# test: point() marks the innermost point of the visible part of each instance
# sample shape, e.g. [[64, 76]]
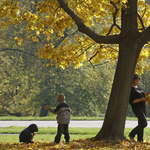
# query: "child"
[[63, 118], [27, 134]]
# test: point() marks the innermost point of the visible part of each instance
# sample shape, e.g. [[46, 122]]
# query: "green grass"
[[11, 134], [8, 138], [53, 117], [47, 130]]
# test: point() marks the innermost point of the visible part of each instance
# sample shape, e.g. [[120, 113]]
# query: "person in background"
[[63, 118], [137, 101], [27, 135]]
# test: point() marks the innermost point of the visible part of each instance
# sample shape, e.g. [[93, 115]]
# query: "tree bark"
[[129, 49], [114, 122]]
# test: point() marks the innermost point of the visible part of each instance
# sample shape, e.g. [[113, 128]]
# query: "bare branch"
[[110, 29], [140, 18], [111, 48], [85, 50], [7, 49], [101, 46], [92, 64], [141, 21], [93, 56], [106, 62], [114, 18], [113, 39]]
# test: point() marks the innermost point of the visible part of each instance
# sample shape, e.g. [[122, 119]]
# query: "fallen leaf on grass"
[[80, 144]]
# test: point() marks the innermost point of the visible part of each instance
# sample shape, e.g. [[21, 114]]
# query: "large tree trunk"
[[114, 123], [129, 50]]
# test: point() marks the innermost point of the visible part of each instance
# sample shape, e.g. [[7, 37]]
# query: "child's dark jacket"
[[63, 113], [26, 135]]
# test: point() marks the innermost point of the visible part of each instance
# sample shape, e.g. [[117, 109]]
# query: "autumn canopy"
[[47, 17]]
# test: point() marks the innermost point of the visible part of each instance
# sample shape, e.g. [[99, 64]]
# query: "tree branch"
[[112, 39], [6, 49], [114, 18], [141, 21]]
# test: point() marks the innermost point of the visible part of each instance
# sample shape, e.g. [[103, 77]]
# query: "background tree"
[[39, 85]]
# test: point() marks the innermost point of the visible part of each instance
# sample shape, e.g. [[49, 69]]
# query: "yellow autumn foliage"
[[19, 40], [50, 18], [35, 39]]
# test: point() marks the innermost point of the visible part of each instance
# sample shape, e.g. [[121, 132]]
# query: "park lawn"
[[80, 139], [48, 118], [11, 134], [53, 117], [48, 130], [45, 134]]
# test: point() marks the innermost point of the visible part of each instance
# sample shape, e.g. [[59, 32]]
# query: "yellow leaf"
[[19, 43], [28, 37], [48, 64], [147, 68], [35, 39], [37, 32]]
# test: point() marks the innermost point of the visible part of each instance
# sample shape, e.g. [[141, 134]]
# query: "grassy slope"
[[47, 134], [11, 134]]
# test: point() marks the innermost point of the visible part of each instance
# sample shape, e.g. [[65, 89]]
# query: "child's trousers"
[[62, 128]]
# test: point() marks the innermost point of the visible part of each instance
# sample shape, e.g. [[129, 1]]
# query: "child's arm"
[[32, 137], [49, 108]]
